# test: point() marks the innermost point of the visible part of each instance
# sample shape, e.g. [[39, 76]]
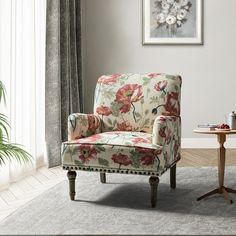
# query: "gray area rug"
[[122, 206]]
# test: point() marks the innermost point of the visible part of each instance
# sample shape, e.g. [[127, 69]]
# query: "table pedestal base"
[[221, 137], [221, 190]]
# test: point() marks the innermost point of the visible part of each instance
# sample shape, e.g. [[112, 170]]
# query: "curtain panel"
[[22, 70], [63, 90]]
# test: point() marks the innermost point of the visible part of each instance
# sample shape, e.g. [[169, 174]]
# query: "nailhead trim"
[[111, 170]]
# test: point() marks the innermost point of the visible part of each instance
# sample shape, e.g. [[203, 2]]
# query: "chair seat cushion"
[[115, 151]]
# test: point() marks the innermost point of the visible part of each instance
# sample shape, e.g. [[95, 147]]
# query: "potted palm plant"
[[8, 150]]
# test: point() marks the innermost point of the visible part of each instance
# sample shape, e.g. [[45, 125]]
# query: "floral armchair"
[[135, 129]]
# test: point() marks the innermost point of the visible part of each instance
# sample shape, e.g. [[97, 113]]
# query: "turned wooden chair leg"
[[71, 176], [153, 181], [173, 176], [103, 177]]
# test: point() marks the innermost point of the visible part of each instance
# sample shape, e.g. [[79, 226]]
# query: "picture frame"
[[172, 22]]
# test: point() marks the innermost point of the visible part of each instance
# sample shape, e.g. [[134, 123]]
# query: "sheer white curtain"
[[22, 70]]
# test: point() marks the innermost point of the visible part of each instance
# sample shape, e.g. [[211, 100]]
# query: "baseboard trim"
[[206, 143]]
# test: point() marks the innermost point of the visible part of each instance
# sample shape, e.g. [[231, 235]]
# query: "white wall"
[[112, 40]]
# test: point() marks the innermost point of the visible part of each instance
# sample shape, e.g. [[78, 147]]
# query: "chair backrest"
[[131, 102]]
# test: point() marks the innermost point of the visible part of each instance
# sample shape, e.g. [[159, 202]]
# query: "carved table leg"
[[103, 177], [153, 181], [173, 176], [221, 159], [71, 176]]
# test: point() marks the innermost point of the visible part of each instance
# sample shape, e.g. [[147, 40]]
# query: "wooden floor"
[[25, 190], [205, 157]]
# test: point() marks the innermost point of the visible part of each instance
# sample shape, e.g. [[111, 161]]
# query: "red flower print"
[[162, 132], [125, 108], [108, 79], [176, 148], [93, 123], [87, 152], [162, 119], [148, 155], [147, 160], [140, 140], [89, 139], [165, 113], [172, 104], [128, 94], [153, 75], [168, 136], [160, 86], [124, 126], [121, 159], [104, 111], [166, 157]]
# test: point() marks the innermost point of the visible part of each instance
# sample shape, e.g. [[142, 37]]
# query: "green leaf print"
[[146, 123], [146, 81], [154, 99], [162, 95], [108, 93], [170, 76], [103, 162], [114, 123], [135, 159], [78, 163], [99, 148], [115, 108], [137, 114], [74, 150], [83, 120], [109, 121]]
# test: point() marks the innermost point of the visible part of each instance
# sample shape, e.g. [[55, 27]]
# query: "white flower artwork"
[[172, 21], [171, 14]]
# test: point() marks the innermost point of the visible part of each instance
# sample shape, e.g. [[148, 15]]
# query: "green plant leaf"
[[9, 151], [4, 125], [2, 92]]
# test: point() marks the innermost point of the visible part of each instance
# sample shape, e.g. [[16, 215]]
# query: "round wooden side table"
[[221, 137]]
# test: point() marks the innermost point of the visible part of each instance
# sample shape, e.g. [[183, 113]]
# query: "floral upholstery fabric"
[[135, 128], [83, 125], [121, 150], [131, 102], [167, 134]]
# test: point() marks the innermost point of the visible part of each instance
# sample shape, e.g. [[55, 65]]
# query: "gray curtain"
[[63, 93]]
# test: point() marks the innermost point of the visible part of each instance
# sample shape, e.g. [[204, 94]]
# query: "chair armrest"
[[83, 125], [167, 133]]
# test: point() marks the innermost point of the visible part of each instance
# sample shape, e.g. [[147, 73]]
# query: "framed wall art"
[[172, 22]]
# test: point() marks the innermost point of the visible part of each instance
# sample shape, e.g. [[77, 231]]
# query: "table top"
[[214, 131]]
